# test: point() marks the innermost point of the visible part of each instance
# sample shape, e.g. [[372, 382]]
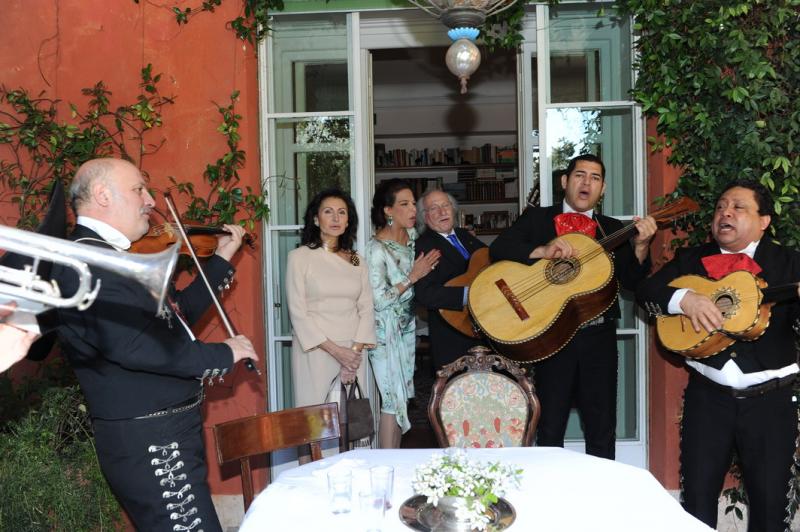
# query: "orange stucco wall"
[[60, 47], [667, 378]]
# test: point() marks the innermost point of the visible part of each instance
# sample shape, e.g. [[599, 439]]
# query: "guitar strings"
[[531, 285]]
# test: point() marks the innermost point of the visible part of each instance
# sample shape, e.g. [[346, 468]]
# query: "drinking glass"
[[382, 481], [340, 486]]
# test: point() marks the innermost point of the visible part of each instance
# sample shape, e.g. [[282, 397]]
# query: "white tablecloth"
[[560, 491]]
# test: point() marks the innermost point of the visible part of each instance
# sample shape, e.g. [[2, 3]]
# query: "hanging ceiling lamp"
[[463, 17]]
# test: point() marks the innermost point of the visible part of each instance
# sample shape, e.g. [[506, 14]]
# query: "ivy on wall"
[[721, 78], [42, 149], [250, 25]]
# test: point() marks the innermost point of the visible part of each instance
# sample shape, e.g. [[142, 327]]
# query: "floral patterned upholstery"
[[483, 409]]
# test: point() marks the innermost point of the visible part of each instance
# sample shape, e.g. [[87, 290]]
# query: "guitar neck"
[[618, 237], [662, 217]]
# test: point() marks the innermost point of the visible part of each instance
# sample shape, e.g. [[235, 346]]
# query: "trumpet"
[[34, 294]]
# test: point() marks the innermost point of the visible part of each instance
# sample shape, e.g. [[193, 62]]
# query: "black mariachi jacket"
[[128, 361]]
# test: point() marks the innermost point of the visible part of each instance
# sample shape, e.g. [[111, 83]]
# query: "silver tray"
[[417, 514]]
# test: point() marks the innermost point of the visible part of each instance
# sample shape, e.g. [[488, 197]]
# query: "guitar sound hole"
[[562, 271], [726, 303]]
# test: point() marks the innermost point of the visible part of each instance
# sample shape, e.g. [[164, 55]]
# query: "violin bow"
[[248, 362]]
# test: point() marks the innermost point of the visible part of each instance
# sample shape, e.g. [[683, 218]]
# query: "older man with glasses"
[[438, 211]]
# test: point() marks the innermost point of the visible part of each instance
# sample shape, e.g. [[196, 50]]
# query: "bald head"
[[113, 191], [90, 173]]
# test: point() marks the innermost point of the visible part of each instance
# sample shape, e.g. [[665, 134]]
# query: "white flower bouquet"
[[477, 485]]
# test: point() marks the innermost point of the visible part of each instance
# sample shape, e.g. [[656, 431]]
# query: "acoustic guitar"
[[460, 319], [746, 306], [531, 312]]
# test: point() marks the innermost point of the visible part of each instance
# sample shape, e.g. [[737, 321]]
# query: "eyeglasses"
[[437, 208]]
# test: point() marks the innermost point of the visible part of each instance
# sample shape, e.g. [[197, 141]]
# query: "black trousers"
[[763, 430], [157, 470], [584, 372]]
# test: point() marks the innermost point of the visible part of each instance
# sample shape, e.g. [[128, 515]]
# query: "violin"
[[203, 239]]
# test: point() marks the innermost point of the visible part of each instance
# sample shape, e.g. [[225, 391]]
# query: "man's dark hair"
[[590, 157], [761, 193], [311, 236], [385, 196]]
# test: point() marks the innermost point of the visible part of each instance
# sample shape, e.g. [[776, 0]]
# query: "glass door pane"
[[590, 56], [309, 62], [605, 132], [311, 154], [310, 148]]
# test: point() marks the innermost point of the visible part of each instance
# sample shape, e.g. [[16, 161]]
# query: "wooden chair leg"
[[247, 483]]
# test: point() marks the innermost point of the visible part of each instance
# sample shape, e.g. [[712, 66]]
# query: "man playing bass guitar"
[[585, 369], [741, 398]]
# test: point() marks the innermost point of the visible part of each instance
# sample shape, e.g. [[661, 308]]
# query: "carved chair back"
[[483, 400]]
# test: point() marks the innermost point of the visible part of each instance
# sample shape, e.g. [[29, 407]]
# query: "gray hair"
[[421, 208], [80, 190]]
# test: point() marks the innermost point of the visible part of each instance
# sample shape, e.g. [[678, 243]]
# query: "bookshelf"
[[483, 179]]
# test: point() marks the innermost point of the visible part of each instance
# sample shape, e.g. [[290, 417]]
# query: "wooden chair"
[[263, 433], [483, 400]]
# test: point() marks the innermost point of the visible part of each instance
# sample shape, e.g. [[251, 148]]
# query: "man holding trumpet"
[[142, 375]]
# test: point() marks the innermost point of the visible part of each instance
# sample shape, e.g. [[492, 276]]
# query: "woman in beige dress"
[[330, 300]]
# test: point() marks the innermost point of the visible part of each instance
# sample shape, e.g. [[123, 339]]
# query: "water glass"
[[382, 481], [372, 506], [340, 486]]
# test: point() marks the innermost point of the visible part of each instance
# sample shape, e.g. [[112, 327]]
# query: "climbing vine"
[[721, 80], [41, 149]]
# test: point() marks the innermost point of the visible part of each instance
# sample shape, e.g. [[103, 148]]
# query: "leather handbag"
[[356, 423]]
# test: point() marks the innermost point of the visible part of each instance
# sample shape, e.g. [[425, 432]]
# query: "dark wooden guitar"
[[530, 312], [460, 319], [746, 306]]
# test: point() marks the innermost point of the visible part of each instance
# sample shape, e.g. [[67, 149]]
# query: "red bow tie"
[[573, 222], [718, 266]]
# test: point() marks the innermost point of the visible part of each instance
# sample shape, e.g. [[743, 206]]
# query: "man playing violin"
[[741, 398], [584, 371], [143, 375]]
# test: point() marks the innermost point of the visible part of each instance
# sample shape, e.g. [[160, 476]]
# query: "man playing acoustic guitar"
[[742, 397], [585, 369]]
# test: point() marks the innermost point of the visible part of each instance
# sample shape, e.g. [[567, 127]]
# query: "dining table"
[[560, 491]]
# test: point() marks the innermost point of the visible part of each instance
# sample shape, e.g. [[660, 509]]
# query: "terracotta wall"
[[60, 47], [667, 377]]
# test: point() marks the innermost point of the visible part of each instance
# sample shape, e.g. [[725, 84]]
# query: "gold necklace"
[[329, 248]]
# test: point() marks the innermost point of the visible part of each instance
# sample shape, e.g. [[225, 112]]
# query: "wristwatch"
[[407, 283]]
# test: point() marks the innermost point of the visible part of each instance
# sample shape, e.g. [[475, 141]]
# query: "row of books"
[[421, 184], [485, 174], [482, 190], [486, 154]]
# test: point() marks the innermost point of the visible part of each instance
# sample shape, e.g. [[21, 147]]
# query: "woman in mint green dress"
[[392, 274]]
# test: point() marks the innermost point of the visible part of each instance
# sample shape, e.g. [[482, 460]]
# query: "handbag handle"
[[351, 394]]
